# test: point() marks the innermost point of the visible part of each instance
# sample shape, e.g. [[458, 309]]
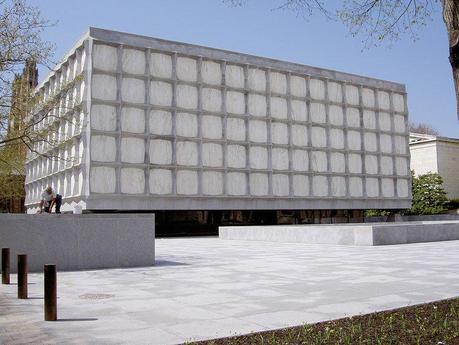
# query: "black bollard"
[[5, 265], [22, 276], [50, 293]]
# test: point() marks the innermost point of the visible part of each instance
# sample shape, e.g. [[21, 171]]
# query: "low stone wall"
[[78, 242], [347, 234]]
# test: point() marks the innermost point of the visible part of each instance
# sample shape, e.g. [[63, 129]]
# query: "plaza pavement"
[[204, 288]]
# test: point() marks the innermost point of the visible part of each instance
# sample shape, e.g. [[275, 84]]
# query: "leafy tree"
[[381, 20], [429, 196]]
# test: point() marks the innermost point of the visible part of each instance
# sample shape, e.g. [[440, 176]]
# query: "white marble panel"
[[258, 157], [402, 188], [298, 86], [235, 129], [355, 163], [278, 82], [160, 122], [235, 102], [104, 57], [104, 87], [383, 100], [212, 155], [353, 117], [336, 138], [318, 137], [160, 181], [335, 115], [300, 185], [299, 135], [160, 151], [387, 165], [335, 93], [368, 98], [318, 161], [133, 61], [401, 166], [278, 107], [384, 121], [132, 180], [338, 186], [280, 159], [399, 103], [353, 140], [132, 120], [355, 186], [257, 105], [320, 185], [234, 76], [187, 96], [371, 164], [212, 183], [211, 72], [400, 144], [103, 117], [258, 184], [236, 156], [372, 187], [161, 93], [257, 131], [279, 133], [161, 65], [132, 150], [133, 90], [317, 112], [187, 153], [211, 100], [103, 148], [281, 185], [385, 142], [236, 183], [369, 119], [337, 162], [300, 160], [399, 124], [352, 95], [187, 182], [299, 110], [186, 69], [317, 89], [370, 142], [387, 186], [103, 180], [211, 127], [186, 125], [257, 79]]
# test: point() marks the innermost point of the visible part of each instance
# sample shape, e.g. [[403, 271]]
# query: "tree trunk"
[[451, 18]]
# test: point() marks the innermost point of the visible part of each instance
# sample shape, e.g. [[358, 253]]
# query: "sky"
[[259, 29]]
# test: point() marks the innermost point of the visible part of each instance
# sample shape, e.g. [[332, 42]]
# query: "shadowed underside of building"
[[206, 136]]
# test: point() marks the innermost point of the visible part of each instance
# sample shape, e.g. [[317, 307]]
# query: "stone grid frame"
[[61, 165], [269, 120], [82, 171]]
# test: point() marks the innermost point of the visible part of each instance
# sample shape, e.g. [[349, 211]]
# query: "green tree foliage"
[[429, 196]]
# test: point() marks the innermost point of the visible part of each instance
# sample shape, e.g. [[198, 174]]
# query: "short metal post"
[[22, 276], [5, 265], [50, 293]]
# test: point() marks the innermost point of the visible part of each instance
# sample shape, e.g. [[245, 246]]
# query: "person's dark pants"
[[57, 202]]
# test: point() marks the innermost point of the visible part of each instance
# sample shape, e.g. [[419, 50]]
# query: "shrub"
[[429, 196]]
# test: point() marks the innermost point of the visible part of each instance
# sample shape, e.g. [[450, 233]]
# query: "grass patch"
[[426, 324]]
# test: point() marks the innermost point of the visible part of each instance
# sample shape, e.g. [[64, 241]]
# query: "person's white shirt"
[[47, 198]]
